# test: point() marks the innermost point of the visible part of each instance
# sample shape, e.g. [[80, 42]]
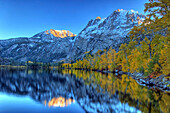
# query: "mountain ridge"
[[56, 45]]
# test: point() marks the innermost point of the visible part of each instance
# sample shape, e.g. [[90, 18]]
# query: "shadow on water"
[[93, 91]]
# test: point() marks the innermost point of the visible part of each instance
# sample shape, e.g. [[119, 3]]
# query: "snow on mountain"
[[53, 35], [119, 22], [44, 46], [107, 32], [60, 33], [56, 45]]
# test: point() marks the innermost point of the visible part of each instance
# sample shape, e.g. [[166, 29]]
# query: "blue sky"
[[25, 18]]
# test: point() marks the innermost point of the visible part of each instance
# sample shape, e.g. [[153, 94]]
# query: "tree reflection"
[[128, 89]]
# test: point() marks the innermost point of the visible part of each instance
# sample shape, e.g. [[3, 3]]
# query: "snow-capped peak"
[[121, 10], [118, 24], [60, 33], [54, 35]]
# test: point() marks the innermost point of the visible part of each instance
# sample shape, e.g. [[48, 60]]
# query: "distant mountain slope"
[[41, 47], [56, 45]]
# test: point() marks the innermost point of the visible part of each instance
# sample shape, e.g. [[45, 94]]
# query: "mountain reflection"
[[59, 102], [93, 91]]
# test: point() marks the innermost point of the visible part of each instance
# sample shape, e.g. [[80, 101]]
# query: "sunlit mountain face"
[[60, 33], [59, 102], [98, 17]]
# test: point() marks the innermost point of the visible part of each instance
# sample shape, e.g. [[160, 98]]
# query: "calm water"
[[49, 91], [24, 104]]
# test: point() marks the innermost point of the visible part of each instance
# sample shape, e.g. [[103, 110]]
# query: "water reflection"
[[129, 91], [41, 86], [59, 102], [61, 88], [24, 104]]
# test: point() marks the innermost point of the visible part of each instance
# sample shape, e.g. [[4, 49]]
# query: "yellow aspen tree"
[[111, 59], [104, 60]]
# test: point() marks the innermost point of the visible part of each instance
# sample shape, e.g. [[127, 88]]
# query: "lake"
[[51, 90]]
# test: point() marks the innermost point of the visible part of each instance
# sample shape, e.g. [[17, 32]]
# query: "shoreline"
[[151, 83], [159, 83], [154, 83]]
